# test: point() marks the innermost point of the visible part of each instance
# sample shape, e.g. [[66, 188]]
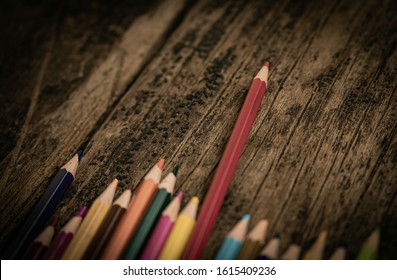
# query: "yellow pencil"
[[179, 236], [90, 224]]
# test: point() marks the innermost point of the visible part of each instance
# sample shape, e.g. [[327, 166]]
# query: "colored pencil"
[[339, 253], [270, 252], [65, 236], [316, 251], [162, 230], [224, 174], [44, 208], [179, 236], [369, 250], [232, 244], [130, 221], [40, 245], [160, 201], [91, 223], [109, 224], [294, 250], [254, 242]]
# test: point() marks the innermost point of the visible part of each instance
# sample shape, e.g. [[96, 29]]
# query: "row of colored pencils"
[[121, 230], [243, 245], [149, 224], [146, 226]]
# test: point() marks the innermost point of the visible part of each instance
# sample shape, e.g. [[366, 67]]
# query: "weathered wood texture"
[[65, 76], [170, 81]]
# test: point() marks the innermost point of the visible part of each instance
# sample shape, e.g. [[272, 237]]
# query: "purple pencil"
[[65, 235], [162, 229]]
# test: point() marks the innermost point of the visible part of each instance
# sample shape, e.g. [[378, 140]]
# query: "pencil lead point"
[[246, 217], [175, 170], [80, 154], [267, 64], [277, 235], [82, 212], [54, 222], [160, 163], [377, 229], [263, 73], [195, 200], [179, 196]]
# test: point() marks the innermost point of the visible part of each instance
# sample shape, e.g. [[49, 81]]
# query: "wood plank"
[[321, 154], [91, 62], [387, 249], [21, 67], [192, 95]]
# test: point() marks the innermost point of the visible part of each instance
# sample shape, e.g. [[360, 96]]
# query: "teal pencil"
[[232, 244]]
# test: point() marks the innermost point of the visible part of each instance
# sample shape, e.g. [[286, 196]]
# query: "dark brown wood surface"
[[134, 82]]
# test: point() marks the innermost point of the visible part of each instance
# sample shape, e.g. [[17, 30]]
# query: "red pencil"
[[41, 243], [224, 174]]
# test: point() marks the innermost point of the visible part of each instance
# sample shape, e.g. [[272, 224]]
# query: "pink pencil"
[[65, 235], [162, 229], [224, 173]]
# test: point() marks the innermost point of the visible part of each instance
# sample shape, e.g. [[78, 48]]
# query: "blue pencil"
[[44, 208], [232, 244]]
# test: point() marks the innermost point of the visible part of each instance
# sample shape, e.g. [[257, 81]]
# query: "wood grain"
[[321, 154], [75, 90]]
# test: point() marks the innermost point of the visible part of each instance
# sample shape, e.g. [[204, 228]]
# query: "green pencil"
[[369, 250], [160, 201]]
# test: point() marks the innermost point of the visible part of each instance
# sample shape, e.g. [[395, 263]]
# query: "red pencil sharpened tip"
[[267, 64]]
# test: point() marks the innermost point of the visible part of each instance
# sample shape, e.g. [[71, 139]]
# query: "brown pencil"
[[108, 226], [254, 242]]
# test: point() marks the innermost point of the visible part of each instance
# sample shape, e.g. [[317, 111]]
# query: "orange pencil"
[[132, 218]]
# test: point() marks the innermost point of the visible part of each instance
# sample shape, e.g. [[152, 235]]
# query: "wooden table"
[[136, 81]]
